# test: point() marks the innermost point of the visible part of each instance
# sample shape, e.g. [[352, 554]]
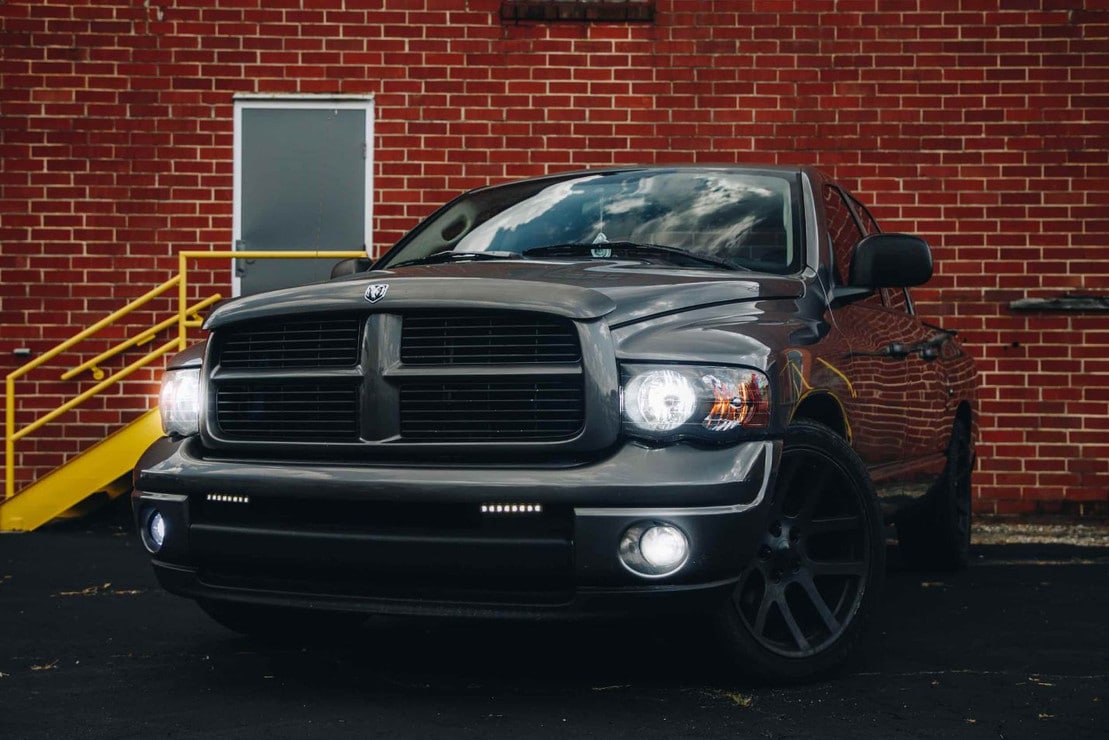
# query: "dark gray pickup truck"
[[643, 390]]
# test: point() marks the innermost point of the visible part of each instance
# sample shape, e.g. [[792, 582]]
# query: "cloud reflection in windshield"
[[738, 216]]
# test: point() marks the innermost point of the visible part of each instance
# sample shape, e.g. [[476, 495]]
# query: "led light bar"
[[223, 498], [511, 509]]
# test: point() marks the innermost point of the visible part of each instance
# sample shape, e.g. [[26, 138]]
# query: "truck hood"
[[622, 291]]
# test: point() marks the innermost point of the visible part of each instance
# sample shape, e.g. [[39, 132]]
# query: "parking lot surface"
[[1016, 646]]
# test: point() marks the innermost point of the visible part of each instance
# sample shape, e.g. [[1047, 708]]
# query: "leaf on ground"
[[90, 591], [104, 589], [741, 699]]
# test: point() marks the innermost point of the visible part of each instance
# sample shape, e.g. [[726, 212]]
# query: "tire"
[[937, 537], [801, 605], [281, 625]]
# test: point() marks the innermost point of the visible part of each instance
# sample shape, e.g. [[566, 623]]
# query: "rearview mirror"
[[350, 266], [891, 261]]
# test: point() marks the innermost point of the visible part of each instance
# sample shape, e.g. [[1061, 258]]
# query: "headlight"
[[179, 402], [667, 402], [660, 400]]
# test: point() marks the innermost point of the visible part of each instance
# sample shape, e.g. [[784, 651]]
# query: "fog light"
[[154, 531], [663, 547], [653, 549]]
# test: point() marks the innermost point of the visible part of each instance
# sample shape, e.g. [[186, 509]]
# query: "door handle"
[[898, 350]]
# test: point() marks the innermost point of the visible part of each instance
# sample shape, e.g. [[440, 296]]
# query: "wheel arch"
[[826, 409]]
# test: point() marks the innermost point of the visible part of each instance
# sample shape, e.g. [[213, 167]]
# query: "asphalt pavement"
[[1016, 646]]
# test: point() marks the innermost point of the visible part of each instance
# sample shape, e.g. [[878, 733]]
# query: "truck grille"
[[419, 379], [293, 343], [468, 410], [293, 410], [488, 338]]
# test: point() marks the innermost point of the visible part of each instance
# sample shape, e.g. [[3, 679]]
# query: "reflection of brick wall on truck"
[[886, 388], [985, 130]]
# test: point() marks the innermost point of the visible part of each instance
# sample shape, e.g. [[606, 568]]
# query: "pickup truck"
[[647, 390]]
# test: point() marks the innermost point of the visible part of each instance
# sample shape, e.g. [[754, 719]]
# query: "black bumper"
[[414, 540]]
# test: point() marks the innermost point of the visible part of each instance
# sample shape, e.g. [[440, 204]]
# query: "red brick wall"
[[983, 128]]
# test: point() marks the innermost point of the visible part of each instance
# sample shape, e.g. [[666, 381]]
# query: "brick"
[[984, 128]]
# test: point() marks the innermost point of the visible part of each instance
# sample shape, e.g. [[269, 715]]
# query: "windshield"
[[737, 218]]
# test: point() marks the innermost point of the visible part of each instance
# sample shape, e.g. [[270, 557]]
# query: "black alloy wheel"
[[801, 604]]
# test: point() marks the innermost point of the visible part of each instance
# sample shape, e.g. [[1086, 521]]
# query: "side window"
[[897, 299], [843, 229], [870, 226]]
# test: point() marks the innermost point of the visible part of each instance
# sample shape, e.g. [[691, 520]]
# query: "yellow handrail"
[[85, 334], [146, 336], [181, 319], [81, 398], [184, 257]]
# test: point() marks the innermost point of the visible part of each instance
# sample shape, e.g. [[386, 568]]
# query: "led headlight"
[[666, 402], [179, 402]]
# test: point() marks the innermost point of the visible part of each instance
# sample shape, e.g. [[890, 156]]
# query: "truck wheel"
[[938, 536], [801, 605], [280, 625]]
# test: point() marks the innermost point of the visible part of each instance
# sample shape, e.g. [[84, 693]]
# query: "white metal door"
[[303, 181]]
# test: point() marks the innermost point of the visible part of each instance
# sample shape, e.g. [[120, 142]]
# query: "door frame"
[[243, 101]]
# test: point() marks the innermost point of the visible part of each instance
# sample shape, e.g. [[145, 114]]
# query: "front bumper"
[[414, 540]]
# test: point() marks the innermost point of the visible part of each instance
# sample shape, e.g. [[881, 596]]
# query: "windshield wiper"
[[630, 249], [449, 256]]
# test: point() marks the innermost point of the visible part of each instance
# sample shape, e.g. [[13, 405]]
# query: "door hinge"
[[240, 264]]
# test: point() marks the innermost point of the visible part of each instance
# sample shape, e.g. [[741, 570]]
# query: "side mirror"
[[350, 266], [891, 261]]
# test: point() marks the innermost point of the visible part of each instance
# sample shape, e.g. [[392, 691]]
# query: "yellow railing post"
[[9, 437], [182, 299]]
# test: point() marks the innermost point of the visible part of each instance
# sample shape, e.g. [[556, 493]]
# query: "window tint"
[[870, 226], [843, 230]]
